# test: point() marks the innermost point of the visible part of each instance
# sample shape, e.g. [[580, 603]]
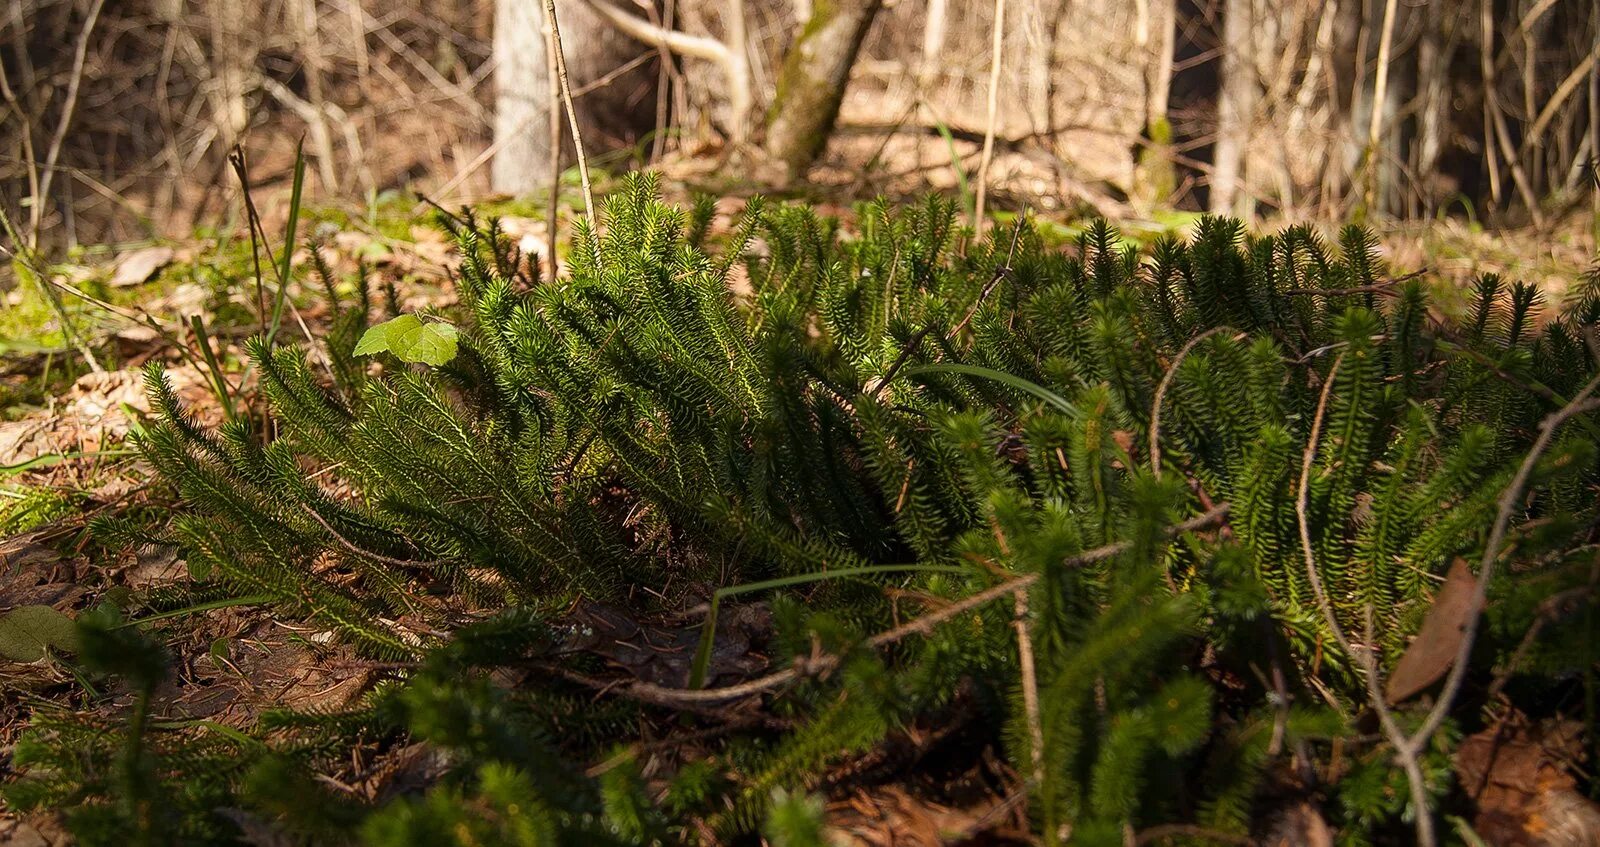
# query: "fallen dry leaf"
[[138, 266], [89, 415], [1516, 773], [1300, 825], [1434, 649]]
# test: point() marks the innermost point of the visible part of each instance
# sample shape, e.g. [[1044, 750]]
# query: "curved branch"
[[679, 697], [1563, 91], [681, 43]]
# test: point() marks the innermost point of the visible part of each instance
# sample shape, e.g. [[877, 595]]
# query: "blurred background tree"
[[118, 116]]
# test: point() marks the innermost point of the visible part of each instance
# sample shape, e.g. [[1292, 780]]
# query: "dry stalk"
[[1578, 405], [1365, 659], [551, 51], [1409, 748], [730, 54], [1030, 688], [572, 114], [53, 153], [651, 693], [1380, 88], [1161, 393], [997, 53]]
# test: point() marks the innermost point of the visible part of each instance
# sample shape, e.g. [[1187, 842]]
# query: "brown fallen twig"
[[1408, 748], [924, 625]]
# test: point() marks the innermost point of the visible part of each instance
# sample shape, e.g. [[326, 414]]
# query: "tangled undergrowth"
[[642, 559]]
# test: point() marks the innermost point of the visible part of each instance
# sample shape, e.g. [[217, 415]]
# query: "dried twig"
[[1551, 609], [1387, 287], [1000, 273], [1409, 748], [994, 108], [362, 551], [1030, 688], [1509, 498], [1380, 87], [1161, 393], [729, 55], [924, 625], [551, 50], [53, 152], [1535, 134], [572, 114], [1404, 751]]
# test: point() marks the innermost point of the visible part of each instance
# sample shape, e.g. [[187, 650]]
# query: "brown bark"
[[812, 82]]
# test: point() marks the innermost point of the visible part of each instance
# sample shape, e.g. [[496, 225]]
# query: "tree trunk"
[[521, 99], [812, 82], [1028, 47], [1236, 106], [1434, 74], [1155, 34], [615, 113]]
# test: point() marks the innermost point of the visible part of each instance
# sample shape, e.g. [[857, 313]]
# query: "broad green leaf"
[[411, 340], [431, 344], [381, 337], [29, 633]]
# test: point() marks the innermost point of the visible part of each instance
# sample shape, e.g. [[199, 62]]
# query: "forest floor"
[[69, 400]]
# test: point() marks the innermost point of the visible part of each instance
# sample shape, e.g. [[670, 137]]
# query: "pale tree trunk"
[[934, 24], [812, 82], [1433, 73], [233, 64], [1236, 105], [522, 159], [1028, 48], [1155, 35]]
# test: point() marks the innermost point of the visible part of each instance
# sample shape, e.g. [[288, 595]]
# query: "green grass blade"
[[708, 633], [1012, 380], [288, 239], [227, 602]]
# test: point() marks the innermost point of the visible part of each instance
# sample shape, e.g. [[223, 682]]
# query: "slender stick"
[[1580, 404], [1380, 88], [997, 51], [572, 114], [1404, 751], [1030, 689], [1161, 393], [651, 693], [30, 259], [551, 51], [79, 53]]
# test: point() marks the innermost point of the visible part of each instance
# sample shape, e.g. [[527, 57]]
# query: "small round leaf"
[[29, 633]]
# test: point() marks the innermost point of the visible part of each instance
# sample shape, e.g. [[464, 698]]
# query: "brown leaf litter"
[[1519, 774], [91, 416]]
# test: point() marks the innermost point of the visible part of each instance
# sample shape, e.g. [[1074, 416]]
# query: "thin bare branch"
[[681, 43], [1161, 393], [1578, 405], [572, 114], [1030, 688], [650, 692], [1366, 659], [997, 54], [52, 153], [1535, 133]]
